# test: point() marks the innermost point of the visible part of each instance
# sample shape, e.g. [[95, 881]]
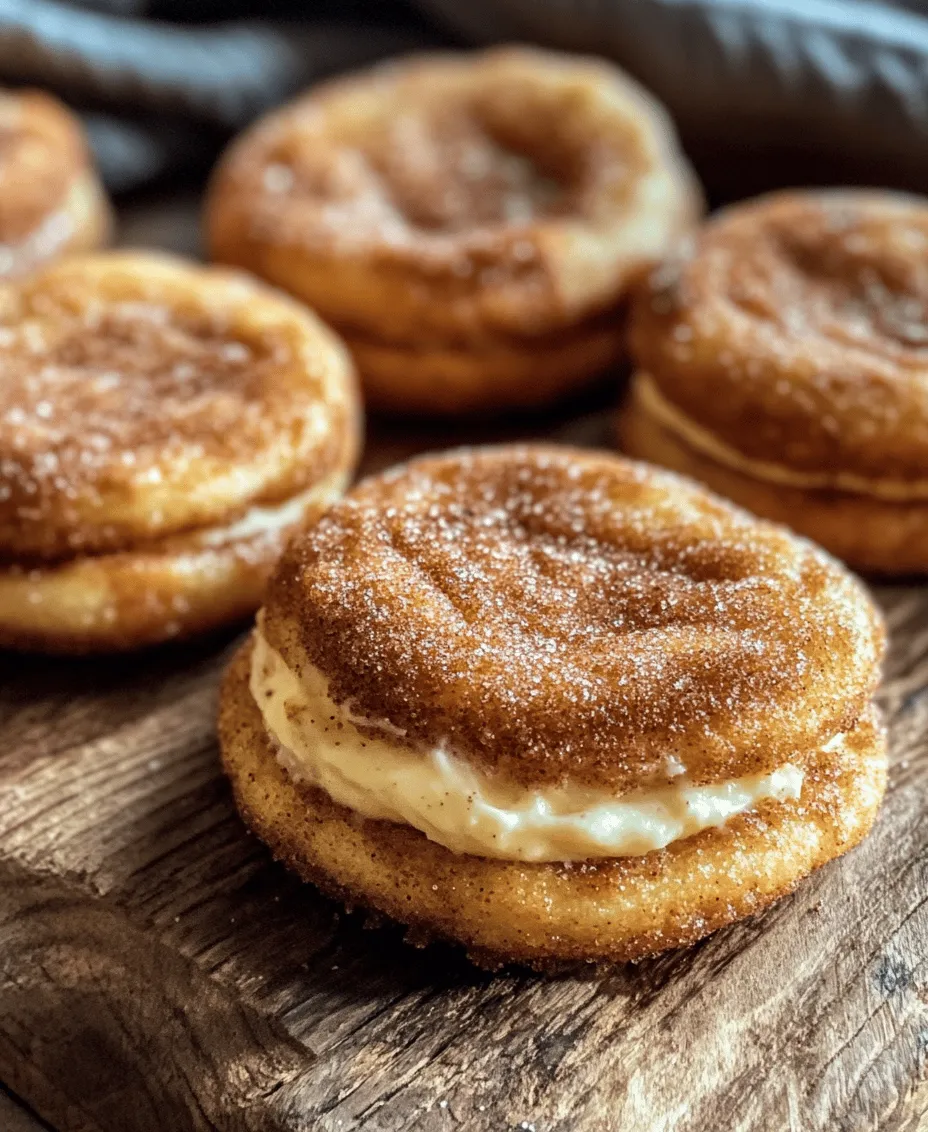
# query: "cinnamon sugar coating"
[[795, 329], [549, 914], [456, 196], [143, 397], [452, 214], [551, 613], [51, 200]]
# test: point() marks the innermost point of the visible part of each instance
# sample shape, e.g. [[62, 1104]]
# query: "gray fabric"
[[131, 154], [851, 77], [847, 79], [224, 74], [169, 90]]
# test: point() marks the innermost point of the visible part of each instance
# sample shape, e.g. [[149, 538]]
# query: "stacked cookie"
[[555, 705], [163, 428], [470, 224], [783, 360]]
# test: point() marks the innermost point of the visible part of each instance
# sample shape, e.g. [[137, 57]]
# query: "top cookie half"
[[551, 614], [457, 197]]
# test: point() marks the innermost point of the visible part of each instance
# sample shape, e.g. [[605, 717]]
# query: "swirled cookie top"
[[503, 190], [142, 396], [552, 613]]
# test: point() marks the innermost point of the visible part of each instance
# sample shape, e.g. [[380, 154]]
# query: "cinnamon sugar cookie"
[[783, 361], [163, 427], [51, 199], [555, 706], [458, 217]]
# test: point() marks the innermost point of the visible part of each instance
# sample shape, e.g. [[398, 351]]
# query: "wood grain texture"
[[15, 1118], [158, 971]]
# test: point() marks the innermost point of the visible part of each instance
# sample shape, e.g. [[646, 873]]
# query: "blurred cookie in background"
[[469, 223], [163, 428], [783, 361], [51, 198]]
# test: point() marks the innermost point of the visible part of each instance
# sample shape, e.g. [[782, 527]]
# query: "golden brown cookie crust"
[[545, 914], [461, 197], [51, 199], [144, 397], [162, 590], [549, 612], [873, 535], [793, 329]]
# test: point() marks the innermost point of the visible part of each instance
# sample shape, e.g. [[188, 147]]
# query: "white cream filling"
[[468, 811], [262, 520], [656, 405]]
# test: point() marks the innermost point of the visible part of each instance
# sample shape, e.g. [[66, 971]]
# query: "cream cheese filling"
[[82, 595], [467, 811], [653, 402], [267, 519]]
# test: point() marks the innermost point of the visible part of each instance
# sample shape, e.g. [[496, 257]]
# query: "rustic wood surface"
[[15, 1118], [159, 972]]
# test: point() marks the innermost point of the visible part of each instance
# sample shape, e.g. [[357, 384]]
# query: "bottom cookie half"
[[546, 914]]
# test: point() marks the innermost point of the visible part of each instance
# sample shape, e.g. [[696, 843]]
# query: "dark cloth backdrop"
[[765, 91]]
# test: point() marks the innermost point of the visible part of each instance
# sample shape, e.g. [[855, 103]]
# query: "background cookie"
[[162, 428], [51, 199], [468, 204], [783, 359]]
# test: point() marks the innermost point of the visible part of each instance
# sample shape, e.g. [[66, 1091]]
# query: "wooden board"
[[158, 972], [15, 1118]]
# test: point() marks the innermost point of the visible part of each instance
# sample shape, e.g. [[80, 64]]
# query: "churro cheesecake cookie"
[[469, 222], [163, 428], [783, 361], [555, 705], [51, 198]]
